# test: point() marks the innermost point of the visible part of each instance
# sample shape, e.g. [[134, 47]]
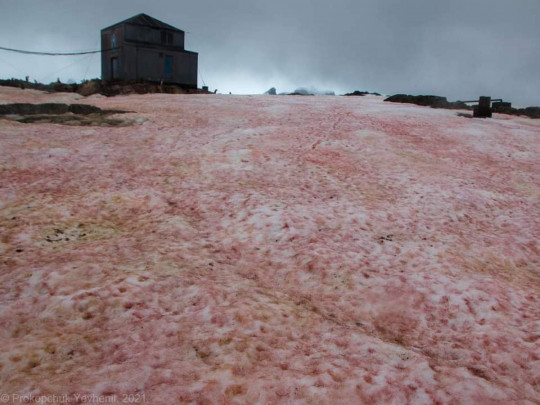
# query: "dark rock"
[[29, 109], [457, 105], [65, 87], [428, 101], [301, 92], [84, 109], [52, 87], [506, 108], [272, 91], [500, 105], [531, 112], [81, 114], [361, 93], [75, 120], [90, 87], [357, 93], [52, 109], [96, 86]]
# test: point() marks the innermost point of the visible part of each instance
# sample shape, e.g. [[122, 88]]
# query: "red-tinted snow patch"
[[271, 250]]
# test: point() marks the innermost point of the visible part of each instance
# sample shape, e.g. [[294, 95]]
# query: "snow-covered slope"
[[271, 250]]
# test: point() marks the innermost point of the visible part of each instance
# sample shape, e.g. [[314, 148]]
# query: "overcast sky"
[[457, 48]]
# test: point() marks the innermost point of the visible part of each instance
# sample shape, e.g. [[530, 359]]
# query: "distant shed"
[[142, 48]]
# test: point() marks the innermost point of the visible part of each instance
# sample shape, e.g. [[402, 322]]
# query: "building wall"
[[186, 68], [151, 66], [152, 36], [130, 66], [106, 43], [145, 58]]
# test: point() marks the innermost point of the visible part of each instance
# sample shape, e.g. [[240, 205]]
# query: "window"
[[166, 37], [113, 41]]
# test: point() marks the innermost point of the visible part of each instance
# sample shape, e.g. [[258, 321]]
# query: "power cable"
[[89, 62], [17, 69], [54, 53], [200, 74], [65, 67]]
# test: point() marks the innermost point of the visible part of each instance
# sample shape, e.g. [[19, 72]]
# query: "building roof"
[[145, 20]]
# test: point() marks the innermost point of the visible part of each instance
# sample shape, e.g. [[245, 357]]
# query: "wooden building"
[[142, 48]]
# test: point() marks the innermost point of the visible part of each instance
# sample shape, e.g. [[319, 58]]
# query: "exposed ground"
[[96, 86], [64, 114], [228, 249]]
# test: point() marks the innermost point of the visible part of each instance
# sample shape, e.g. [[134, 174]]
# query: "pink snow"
[[237, 249]]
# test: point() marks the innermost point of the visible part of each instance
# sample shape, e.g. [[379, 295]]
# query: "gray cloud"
[[460, 49]]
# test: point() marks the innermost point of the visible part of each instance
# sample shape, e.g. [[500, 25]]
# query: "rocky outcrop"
[[531, 112], [505, 108], [442, 102], [65, 114], [90, 87], [428, 101], [302, 92], [52, 109], [361, 93], [96, 86], [31, 109]]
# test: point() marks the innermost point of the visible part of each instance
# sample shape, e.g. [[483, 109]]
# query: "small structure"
[[142, 48], [483, 110]]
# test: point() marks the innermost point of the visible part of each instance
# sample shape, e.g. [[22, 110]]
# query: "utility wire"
[[10, 64], [54, 73], [200, 74], [54, 53], [90, 61]]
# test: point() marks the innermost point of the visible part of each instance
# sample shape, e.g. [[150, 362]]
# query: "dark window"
[[114, 69], [166, 37]]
